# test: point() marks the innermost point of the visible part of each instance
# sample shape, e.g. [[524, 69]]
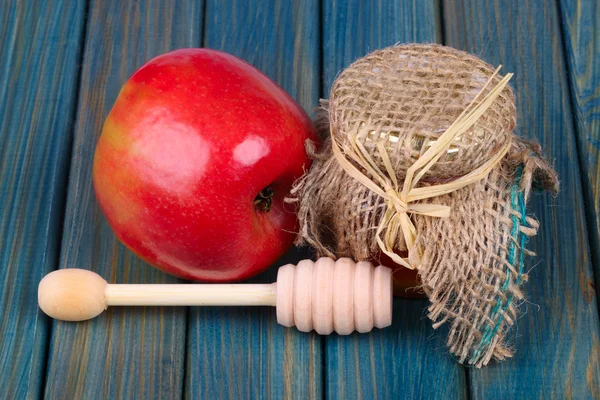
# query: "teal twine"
[[517, 202]]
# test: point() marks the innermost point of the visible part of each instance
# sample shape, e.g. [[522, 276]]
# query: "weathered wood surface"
[[580, 27], [557, 336], [40, 50], [409, 359], [126, 352], [240, 352]]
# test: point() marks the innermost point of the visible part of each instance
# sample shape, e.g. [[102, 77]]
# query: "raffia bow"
[[400, 203]]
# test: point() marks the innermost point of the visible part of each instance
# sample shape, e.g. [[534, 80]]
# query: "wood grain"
[[409, 359], [243, 353], [236, 352], [581, 22], [405, 361], [40, 50], [556, 339], [126, 352], [353, 28]]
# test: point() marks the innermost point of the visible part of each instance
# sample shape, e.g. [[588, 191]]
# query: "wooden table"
[[62, 64]]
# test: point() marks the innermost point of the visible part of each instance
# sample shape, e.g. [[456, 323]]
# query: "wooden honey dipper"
[[325, 295]]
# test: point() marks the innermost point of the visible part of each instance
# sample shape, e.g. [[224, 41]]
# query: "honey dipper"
[[325, 295]]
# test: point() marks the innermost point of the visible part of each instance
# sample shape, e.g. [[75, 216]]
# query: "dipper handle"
[[77, 294]]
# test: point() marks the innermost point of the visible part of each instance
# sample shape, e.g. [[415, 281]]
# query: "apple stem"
[[264, 200]]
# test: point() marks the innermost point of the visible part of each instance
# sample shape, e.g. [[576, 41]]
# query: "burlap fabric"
[[471, 264]]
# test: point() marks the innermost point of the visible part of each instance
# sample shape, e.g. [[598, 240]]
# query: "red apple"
[[194, 162]]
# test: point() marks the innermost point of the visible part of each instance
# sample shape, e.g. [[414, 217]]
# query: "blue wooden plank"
[[557, 337], [243, 353], [581, 23], [40, 51], [126, 352], [407, 360], [354, 28]]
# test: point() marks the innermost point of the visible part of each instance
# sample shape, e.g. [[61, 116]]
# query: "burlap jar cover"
[[415, 165]]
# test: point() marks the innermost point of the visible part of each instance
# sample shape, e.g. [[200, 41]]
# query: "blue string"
[[517, 202]]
